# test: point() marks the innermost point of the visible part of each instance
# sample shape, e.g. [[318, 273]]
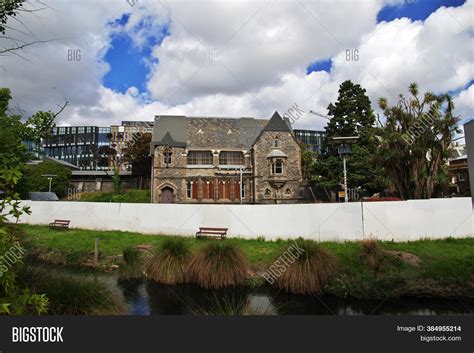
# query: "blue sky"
[[129, 64]]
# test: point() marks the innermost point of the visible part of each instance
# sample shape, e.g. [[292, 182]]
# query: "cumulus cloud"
[[233, 58]]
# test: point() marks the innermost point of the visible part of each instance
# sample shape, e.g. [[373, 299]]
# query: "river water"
[[150, 298]]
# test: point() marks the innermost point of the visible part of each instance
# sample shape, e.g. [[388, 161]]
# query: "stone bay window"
[[276, 160]]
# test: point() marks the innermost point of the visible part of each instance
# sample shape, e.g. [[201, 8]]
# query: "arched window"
[[277, 142], [189, 189]]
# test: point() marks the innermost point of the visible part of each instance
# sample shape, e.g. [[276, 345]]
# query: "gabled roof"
[[277, 123], [169, 141]]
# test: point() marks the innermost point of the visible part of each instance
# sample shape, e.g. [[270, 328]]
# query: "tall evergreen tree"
[[351, 115]]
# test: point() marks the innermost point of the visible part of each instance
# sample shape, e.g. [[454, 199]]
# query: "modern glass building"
[[312, 138], [78, 145], [81, 145]]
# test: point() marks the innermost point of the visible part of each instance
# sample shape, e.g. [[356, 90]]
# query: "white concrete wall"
[[400, 221]]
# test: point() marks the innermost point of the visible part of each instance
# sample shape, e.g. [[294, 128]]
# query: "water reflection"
[[150, 298]]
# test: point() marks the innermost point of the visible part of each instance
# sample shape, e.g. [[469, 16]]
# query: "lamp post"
[[50, 178], [344, 149]]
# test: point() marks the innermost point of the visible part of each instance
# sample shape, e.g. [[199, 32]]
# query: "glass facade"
[[77, 145], [84, 146], [312, 138]]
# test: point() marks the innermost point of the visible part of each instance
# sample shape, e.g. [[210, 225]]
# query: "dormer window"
[[277, 167]]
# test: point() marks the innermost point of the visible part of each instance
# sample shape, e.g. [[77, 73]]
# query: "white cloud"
[[262, 49]]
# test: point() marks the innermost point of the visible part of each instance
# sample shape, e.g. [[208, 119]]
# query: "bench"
[[211, 232], [60, 224]]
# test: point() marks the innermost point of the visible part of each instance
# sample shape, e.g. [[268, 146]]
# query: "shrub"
[[133, 264], [371, 254], [219, 265], [309, 272], [169, 263]]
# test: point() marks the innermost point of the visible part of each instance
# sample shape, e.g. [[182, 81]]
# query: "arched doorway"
[[167, 195]]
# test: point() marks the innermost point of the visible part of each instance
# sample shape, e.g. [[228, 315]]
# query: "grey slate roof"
[[216, 132], [206, 132], [277, 123], [64, 163], [43, 196]]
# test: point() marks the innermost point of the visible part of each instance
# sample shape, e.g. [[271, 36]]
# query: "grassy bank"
[[131, 196], [446, 268]]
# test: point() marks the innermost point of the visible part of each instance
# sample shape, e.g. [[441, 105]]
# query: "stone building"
[[225, 160]]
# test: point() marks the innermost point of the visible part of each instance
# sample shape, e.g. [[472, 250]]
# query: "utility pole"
[[241, 185], [346, 198]]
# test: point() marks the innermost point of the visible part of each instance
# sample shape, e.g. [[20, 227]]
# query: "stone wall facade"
[[277, 188], [218, 153], [210, 183]]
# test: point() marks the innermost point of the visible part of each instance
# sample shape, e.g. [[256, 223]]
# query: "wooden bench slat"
[[210, 232], [60, 223], [214, 229]]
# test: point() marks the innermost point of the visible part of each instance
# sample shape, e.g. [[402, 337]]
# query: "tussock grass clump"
[[169, 263], [133, 263], [371, 254], [308, 273], [74, 294], [219, 265]]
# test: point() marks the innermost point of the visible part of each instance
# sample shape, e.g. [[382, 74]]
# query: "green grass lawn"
[[259, 252], [130, 196], [448, 262]]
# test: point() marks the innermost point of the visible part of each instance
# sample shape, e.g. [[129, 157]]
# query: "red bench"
[[60, 224], [205, 232]]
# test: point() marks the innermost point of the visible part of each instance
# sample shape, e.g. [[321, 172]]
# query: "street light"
[[50, 177], [344, 149]]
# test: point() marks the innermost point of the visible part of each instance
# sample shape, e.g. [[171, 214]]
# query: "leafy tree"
[[107, 156], [137, 153], [307, 161], [415, 142], [8, 9], [351, 115], [116, 180], [13, 299], [34, 181], [15, 39], [13, 157]]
